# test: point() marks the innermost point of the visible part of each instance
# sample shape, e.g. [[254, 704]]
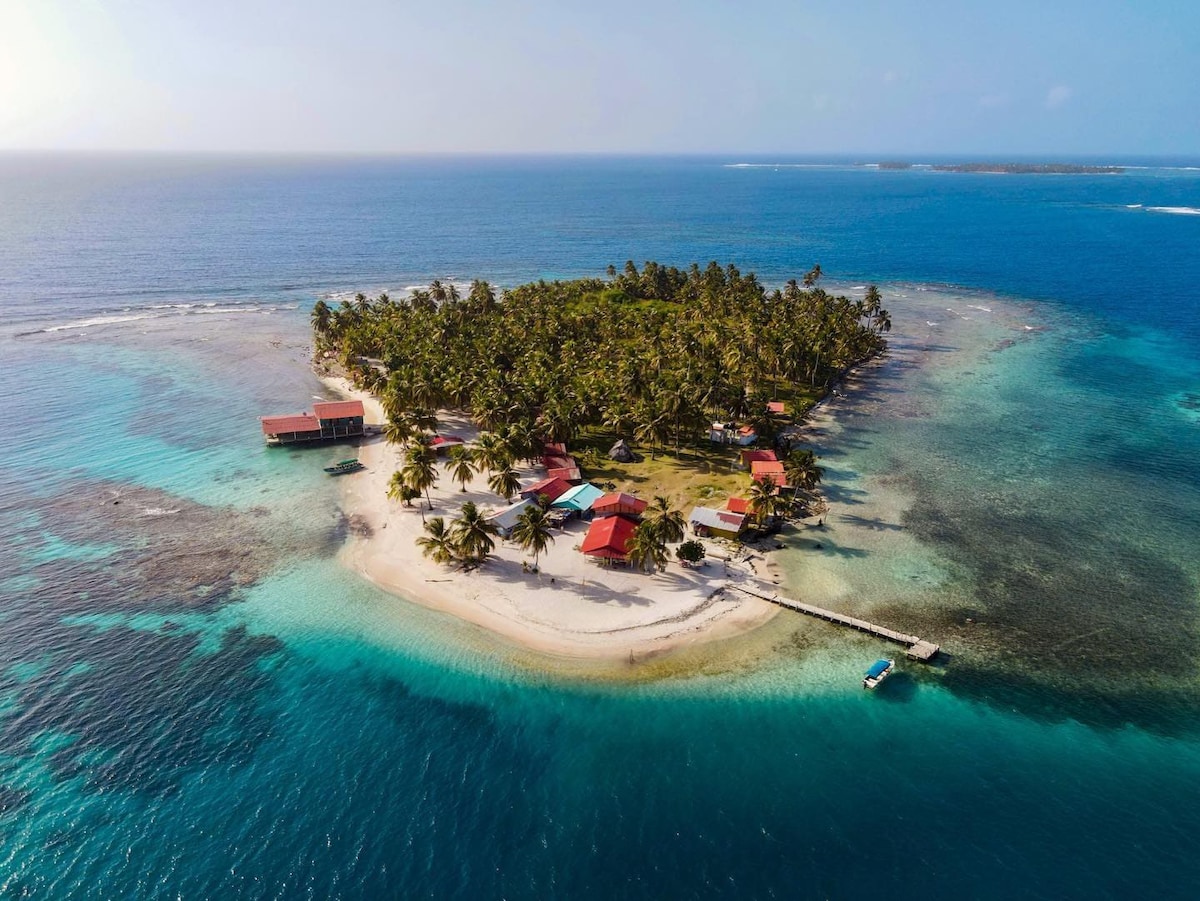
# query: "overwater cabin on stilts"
[[329, 421]]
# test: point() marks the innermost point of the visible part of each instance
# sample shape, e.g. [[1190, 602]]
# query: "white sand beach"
[[574, 607]]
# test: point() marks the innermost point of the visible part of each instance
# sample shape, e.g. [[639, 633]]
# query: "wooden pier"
[[917, 648]]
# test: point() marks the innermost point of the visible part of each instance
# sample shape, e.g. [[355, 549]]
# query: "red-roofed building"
[[750, 457], [566, 473], [552, 488], [769, 469], [608, 538], [619, 504], [329, 421], [776, 407], [338, 409], [738, 505], [286, 429]]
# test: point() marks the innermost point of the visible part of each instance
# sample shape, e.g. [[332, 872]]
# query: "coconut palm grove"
[[652, 355]]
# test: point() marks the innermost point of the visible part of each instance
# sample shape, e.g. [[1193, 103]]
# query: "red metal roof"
[[566, 473], [556, 448], [775, 406], [443, 440], [762, 467], [609, 537], [750, 456], [620, 500], [299, 422], [737, 505], [553, 488], [338, 409]]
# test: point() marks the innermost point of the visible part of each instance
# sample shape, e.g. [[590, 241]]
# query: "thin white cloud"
[[1057, 96]]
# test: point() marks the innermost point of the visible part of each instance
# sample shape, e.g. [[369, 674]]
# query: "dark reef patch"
[[1061, 621], [134, 708]]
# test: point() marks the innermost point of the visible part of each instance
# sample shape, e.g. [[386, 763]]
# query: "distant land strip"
[[1014, 168]]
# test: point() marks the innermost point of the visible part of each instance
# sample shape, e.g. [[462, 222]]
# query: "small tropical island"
[[1029, 169], [583, 466]]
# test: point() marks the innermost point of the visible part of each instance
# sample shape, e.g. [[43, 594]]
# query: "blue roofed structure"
[[579, 498]]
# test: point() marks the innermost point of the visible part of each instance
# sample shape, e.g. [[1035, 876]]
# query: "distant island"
[[593, 455], [1011, 168]]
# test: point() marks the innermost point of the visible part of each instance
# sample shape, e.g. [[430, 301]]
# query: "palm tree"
[[505, 482], [668, 523], [490, 452], [532, 532], [419, 471], [322, 316], [439, 544], [399, 489], [398, 430], [802, 469], [646, 548], [765, 500], [473, 533], [462, 465]]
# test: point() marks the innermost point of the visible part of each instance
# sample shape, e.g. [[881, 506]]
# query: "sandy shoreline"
[[574, 608]]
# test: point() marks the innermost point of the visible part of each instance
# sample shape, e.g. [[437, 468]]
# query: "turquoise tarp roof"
[[580, 498]]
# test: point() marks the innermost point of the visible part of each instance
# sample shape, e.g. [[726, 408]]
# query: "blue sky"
[[898, 77]]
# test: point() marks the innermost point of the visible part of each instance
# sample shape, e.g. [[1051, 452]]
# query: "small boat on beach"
[[340, 469], [879, 671]]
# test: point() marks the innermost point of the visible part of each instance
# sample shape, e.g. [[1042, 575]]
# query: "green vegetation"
[[654, 354], [690, 552], [532, 532]]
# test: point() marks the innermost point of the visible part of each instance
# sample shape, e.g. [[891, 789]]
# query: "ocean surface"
[[198, 701]]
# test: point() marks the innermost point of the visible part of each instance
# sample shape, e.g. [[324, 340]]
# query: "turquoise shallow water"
[[197, 699]]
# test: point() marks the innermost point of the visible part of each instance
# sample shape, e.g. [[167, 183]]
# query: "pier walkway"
[[917, 648]]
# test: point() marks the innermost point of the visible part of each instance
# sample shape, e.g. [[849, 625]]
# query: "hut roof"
[[619, 501], [749, 457], [553, 488], [338, 409], [609, 537], [506, 517], [580, 497], [300, 422], [716, 519], [737, 505]]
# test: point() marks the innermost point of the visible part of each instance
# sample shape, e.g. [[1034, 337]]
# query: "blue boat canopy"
[[877, 668]]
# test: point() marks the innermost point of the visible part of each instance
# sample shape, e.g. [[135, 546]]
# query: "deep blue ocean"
[[198, 700]]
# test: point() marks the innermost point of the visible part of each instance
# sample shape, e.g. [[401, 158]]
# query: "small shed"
[[621, 452], [442, 443], [506, 517], [746, 435], [620, 504], [738, 505], [706, 521], [776, 407]]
